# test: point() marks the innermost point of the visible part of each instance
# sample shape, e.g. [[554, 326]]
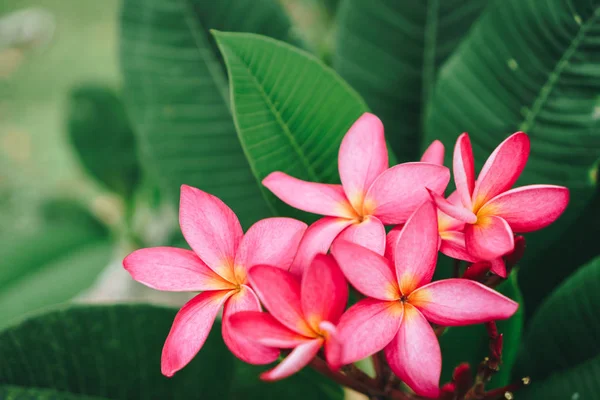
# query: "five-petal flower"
[[491, 212], [371, 194], [401, 300], [217, 266], [302, 316]]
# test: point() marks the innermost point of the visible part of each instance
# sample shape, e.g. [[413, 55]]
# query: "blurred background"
[[74, 199]]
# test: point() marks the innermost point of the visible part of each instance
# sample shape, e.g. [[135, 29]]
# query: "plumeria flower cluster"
[[283, 286]]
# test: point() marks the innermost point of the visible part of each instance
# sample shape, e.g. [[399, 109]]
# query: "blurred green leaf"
[[534, 67], [114, 352], [291, 111], [390, 52], [19, 393], [306, 384], [471, 343], [53, 263], [109, 351], [103, 139], [178, 96], [561, 348]]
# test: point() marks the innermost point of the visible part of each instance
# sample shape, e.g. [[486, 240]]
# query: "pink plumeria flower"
[[217, 267], [434, 154], [371, 194], [492, 212], [302, 316], [401, 300]]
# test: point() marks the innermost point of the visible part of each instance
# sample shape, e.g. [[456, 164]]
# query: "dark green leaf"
[[19, 393], [531, 66], [307, 384], [53, 263], [390, 52], [177, 91], [291, 111], [109, 351], [561, 348], [471, 343], [101, 134]]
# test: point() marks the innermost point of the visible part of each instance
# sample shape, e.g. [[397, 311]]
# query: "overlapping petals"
[[217, 266], [371, 195], [302, 315], [401, 300]]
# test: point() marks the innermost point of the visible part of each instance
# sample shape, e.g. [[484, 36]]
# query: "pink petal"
[[489, 238], [279, 292], [446, 222], [318, 198], [453, 245], [498, 267], [367, 327], [211, 229], [528, 208], [502, 169], [370, 233], [370, 273], [333, 346], [363, 157], [271, 241], [299, 358], [324, 291], [172, 269], [457, 302], [264, 329], [390, 243], [414, 354], [240, 345], [397, 193], [317, 240], [416, 249], [463, 167], [458, 212], [434, 153], [190, 330]]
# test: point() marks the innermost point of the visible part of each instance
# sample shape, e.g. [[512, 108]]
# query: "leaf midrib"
[[547, 89], [212, 64]]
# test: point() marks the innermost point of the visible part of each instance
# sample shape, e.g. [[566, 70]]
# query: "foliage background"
[[67, 217]]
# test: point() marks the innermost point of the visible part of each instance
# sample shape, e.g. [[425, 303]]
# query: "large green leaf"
[[53, 263], [471, 343], [291, 111], [531, 66], [10, 392], [109, 351], [114, 352], [102, 137], [390, 51], [561, 348], [177, 92]]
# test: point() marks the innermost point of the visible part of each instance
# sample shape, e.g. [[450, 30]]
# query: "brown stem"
[[456, 268], [378, 365]]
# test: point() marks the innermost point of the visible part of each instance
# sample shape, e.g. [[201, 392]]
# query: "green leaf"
[[291, 111], [19, 393], [561, 350], [390, 52], [53, 263], [177, 94], [534, 67], [306, 384], [471, 343], [109, 351], [103, 139], [114, 352]]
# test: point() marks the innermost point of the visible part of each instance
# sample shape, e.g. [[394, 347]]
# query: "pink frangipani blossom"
[[217, 267], [302, 315], [491, 211], [371, 194], [401, 299]]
